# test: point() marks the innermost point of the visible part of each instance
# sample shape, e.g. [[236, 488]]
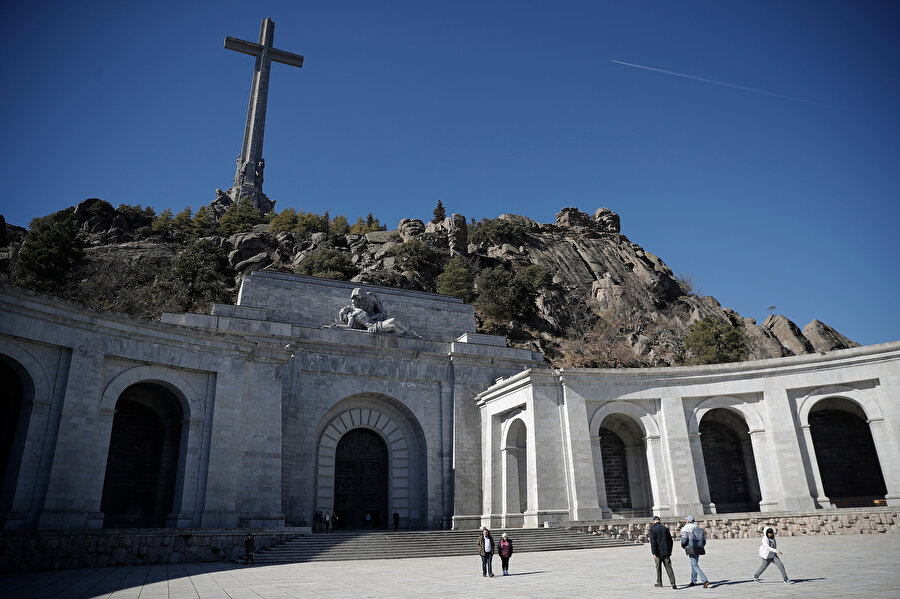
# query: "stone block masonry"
[[53, 550], [750, 525]]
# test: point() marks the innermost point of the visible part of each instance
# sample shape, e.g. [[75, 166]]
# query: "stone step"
[[362, 545]]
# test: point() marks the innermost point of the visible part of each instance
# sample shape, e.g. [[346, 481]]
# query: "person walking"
[[769, 553], [249, 550], [486, 551], [327, 521], [661, 548], [396, 521], [505, 551], [693, 540]]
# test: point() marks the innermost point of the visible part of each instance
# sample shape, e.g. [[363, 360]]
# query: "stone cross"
[[249, 175]]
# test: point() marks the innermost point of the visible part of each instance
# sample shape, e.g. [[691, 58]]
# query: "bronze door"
[[360, 499]]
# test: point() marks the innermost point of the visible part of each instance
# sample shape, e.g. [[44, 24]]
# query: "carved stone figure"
[[366, 313]]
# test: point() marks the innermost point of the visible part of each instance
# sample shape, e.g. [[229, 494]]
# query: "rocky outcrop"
[[605, 290], [824, 338], [789, 334]]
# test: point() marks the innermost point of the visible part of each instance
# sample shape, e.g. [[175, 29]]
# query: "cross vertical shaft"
[[248, 177]]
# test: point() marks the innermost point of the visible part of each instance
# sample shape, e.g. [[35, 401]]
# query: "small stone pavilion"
[[300, 399]]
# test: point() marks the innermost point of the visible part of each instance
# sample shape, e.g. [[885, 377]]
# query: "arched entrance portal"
[[142, 465], [11, 397], [730, 467], [848, 462], [361, 480], [626, 475]]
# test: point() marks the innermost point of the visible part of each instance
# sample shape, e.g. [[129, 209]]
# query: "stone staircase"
[[359, 545]]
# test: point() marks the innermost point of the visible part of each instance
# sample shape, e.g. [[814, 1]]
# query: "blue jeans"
[[695, 569], [486, 563]]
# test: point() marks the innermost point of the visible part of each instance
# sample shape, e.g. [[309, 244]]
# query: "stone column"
[[821, 499], [768, 495], [635, 458], [511, 510], [681, 457], [577, 453], [887, 450], [22, 474], [184, 506], [700, 474], [223, 477], [491, 471], [600, 477], [787, 463], [79, 464], [659, 489], [549, 493]]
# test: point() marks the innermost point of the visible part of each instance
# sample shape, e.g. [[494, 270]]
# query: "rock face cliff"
[[608, 302]]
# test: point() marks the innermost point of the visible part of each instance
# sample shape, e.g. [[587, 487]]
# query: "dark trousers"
[[664, 560], [486, 564], [504, 561]]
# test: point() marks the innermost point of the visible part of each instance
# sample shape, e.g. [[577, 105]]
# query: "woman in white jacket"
[[769, 553]]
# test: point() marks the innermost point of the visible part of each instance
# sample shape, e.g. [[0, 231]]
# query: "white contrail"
[[748, 89]]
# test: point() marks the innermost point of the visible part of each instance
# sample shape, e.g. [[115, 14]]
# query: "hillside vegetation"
[[577, 289]]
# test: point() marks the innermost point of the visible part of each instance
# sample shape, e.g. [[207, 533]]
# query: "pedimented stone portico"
[[473, 432]]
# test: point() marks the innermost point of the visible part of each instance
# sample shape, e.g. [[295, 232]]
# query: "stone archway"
[[143, 460], [626, 474], [404, 441], [848, 462], [729, 463]]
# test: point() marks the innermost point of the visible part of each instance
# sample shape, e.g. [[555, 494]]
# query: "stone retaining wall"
[[51, 550], [750, 525]]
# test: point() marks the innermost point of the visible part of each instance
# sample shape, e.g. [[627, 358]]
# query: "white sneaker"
[[788, 581]]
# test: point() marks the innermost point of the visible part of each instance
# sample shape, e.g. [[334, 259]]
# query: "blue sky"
[[775, 182]]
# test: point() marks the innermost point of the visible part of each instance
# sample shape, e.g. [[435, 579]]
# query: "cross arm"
[[244, 47], [288, 58]]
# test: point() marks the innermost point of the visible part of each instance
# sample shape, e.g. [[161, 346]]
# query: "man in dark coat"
[[661, 548]]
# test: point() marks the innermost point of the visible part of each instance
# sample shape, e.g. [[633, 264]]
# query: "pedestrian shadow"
[[725, 583], [529, 573]]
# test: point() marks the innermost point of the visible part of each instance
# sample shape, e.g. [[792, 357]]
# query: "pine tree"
[[205, 222], [240, 217], [162, 224], [714, 341], [48, 252], [182, 223], [439, 213], [286, 220], [457, 280]]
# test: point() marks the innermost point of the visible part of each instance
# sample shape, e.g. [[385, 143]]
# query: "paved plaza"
[[822, 566]]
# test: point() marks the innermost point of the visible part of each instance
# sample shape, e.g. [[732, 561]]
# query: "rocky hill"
[[597, 298]]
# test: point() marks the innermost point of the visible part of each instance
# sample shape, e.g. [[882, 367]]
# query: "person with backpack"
[[693, 540]]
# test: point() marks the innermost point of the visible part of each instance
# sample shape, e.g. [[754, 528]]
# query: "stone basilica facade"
[[260, 414]]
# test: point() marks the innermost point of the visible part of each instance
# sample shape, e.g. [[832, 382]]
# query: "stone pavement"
[[822, 566]]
